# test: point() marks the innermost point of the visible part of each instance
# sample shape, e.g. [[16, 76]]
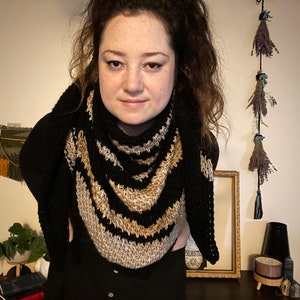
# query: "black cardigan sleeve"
[[31, 156]]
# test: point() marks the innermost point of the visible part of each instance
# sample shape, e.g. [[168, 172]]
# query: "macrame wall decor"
[[263, 46], [11, 142]]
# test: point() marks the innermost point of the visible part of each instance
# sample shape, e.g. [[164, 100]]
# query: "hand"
[[71, 231], [182, 238]]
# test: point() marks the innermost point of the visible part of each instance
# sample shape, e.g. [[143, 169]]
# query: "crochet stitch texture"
[[133, 193]]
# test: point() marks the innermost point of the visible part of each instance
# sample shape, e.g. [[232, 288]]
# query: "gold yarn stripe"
[[143, 199], [100, 198]]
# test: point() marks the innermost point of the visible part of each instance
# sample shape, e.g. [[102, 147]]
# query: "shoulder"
[[39, 128], [35, 141], [31, 155]]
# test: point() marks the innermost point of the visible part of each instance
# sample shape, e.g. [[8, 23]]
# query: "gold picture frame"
[[227, 231]]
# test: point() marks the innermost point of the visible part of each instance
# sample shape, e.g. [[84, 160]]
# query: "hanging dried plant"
[[259, 161], [262, 43], [262, 46], [259, 98]]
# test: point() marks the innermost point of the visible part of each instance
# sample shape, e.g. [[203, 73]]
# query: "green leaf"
[[23, 238], [9, 248], [17, 229], [38, 249], [1, 250], [22, 242]]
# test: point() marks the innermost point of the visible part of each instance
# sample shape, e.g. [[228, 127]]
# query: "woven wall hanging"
[[11, 142]]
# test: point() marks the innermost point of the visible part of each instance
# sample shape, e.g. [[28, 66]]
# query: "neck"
[[135, 130]]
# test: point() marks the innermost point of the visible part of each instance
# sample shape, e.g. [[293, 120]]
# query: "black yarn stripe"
[[106, 128], [109, 122], [148, 217], [125, 177], [131, 168], [158, 236]]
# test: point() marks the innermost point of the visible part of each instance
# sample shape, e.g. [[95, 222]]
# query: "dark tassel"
[[262, 43], [260, 161], [259, 98], [258, 211], [14, 172]]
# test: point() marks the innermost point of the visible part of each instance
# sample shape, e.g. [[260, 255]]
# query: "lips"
[[133, 100], [133, 103]]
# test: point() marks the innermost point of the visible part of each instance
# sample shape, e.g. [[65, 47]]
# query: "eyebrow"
[[147, 54]]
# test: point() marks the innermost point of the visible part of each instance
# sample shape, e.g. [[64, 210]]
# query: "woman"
[[122, 168]]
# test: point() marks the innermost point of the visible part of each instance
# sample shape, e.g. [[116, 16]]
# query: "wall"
[[34, 56], [236, 25]]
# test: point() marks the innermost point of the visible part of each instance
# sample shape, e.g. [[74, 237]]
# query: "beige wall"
[[34, 56]]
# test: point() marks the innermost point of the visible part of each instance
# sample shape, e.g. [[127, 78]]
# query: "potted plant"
[[21, 241]]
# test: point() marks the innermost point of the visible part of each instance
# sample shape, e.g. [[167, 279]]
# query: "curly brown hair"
[[187, 22]]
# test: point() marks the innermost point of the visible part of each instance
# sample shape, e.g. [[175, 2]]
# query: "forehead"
[[142, 28]]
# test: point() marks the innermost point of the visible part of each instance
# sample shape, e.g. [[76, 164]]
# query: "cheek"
[[166, 86], [106, 87], [102, 86], [165, 97], [105, 92], [104, 81], [168, 79], [108, 81]]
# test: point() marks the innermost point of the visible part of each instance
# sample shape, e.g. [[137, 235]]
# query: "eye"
[[115, 64], [152, 66]]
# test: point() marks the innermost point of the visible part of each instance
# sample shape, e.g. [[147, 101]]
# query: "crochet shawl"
[[133, 193]]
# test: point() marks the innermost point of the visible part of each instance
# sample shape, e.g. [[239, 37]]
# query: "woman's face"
[[136, 69]]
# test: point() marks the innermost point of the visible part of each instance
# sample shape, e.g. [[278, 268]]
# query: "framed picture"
[[227, 232]]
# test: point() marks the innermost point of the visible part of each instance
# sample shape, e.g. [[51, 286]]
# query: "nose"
[[133, 81]]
